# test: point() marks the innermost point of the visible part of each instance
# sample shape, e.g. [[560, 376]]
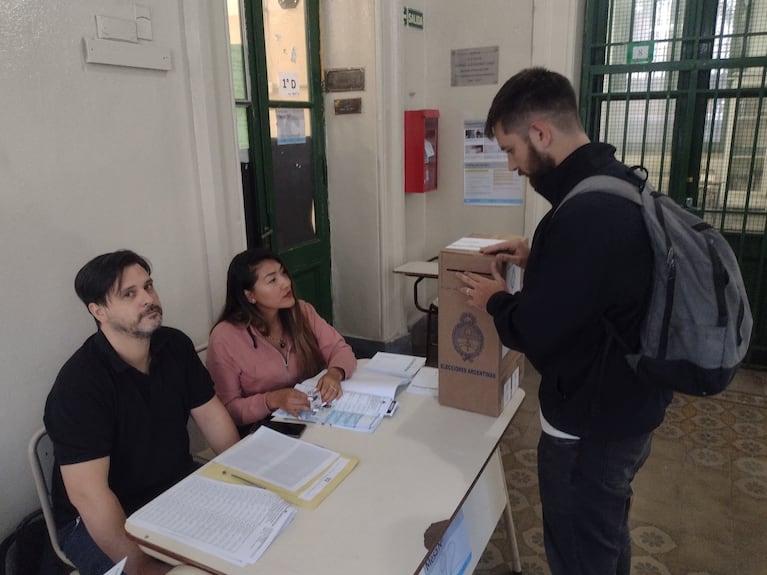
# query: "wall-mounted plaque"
[[348, 106], [474, 66], [345, 80]]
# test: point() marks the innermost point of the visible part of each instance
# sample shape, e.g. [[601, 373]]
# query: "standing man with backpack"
[[588, 274]]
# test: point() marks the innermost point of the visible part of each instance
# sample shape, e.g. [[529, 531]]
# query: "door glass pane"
[[294, 178], [243, 142], [658, 22], [740, 29], [236, 46], [285, 39], [732, 177], [641, 131]]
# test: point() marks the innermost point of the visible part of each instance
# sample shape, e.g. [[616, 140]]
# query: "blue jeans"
[[81, 550], [585, 488]]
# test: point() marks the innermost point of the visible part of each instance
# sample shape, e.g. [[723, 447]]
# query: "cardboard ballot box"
[[476, 372]]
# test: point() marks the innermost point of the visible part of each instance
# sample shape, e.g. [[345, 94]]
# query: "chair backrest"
[[40, 453]]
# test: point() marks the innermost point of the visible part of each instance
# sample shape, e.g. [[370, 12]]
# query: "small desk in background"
[[422, 270]]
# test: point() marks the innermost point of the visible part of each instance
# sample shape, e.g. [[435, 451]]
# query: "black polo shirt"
[[101, 406]]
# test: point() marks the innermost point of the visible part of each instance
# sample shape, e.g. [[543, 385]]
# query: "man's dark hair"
[[533, 91], [95, 279]]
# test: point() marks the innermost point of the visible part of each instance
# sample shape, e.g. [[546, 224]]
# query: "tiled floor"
[[700, 504]]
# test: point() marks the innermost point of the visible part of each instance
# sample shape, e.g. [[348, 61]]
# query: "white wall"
[[374, 225], [353, 147], [95, 158]]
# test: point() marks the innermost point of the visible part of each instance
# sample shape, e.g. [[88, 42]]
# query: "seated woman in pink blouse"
[[267, 340]]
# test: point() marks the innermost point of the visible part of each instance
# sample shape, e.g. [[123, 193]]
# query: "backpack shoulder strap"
[[605, 184]]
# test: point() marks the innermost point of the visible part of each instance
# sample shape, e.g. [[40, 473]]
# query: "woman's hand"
[[289, 399], [329, 385]]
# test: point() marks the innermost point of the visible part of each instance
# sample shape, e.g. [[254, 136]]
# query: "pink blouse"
[[242, 374]]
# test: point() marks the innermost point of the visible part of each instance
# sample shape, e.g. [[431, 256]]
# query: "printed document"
[[425, 382], [396, 364], [374, 383], [299, 472], [355, 411], [234, 522], [453, 552], [277, 459]]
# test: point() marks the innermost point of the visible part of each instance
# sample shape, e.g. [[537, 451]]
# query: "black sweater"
[[590, 263]]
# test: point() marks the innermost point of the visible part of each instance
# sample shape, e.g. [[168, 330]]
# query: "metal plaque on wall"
[[474, 66], [345, 80], [347, 106]]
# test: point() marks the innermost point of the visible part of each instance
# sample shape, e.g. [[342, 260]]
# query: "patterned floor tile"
[[708, 457], [708, 438], [751, 466], [669, 431], [533, 538], [521, 477], [709, 407], [708, 422], [534, 565], [744, 413], [652, 540], [753, 487], [751, 446], [527, 457], [517, 500], [646, 565], [750, 430]]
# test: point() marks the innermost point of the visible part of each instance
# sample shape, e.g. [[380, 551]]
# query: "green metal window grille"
[[678, 86]]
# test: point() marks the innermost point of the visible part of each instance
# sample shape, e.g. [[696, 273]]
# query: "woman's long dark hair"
[[242, 274]]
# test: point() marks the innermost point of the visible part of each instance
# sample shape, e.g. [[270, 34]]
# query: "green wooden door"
[[679, 87], [280, 125]]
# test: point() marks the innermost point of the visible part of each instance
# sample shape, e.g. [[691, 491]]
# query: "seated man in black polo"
[[118, 412]]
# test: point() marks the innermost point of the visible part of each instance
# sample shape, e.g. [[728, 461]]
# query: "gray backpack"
[[698, 322]]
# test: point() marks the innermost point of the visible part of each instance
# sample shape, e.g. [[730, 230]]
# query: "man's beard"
[[539, 165], [135, 329]]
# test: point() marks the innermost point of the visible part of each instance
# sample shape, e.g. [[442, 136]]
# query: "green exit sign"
[[412, 18]]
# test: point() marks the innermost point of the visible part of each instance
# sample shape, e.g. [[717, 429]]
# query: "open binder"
[[300, 472]]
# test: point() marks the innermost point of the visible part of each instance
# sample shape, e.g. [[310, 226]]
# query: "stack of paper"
[[234, 522], [395, 364], [298, 471], [374, 383], [425, 382]]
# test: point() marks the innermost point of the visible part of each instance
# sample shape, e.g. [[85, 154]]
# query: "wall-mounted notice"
[[487, 180], [412, 18], [291, 126], [474, 66], [289, 87]]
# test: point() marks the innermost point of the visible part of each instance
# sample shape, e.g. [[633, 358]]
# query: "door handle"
[[266, 233]]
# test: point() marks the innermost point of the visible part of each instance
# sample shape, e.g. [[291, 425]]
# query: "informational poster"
[[291, 126], [487, 180], [453, 553]]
